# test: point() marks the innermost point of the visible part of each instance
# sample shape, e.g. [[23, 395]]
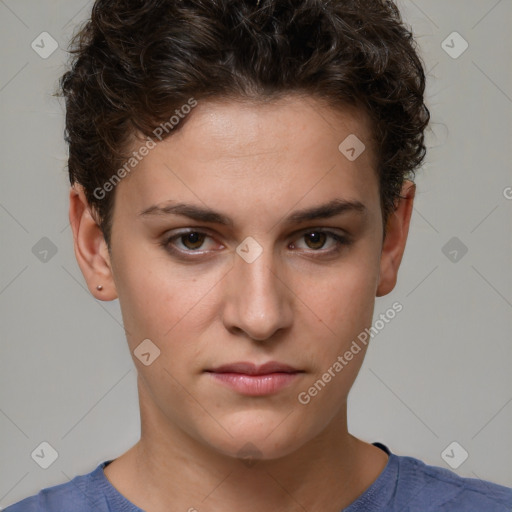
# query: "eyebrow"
[[202, 214]]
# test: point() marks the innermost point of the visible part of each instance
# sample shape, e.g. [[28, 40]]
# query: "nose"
[[258, 300]]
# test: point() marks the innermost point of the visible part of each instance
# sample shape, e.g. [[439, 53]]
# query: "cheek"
[[344, 304], [338, 307], [160, 300], [343, 299]]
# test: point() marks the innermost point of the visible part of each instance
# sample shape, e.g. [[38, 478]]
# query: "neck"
[[169, 468]]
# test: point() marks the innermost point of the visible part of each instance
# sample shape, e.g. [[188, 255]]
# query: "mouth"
[[250, 379]]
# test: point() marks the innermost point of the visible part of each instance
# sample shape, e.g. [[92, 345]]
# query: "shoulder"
[[78, 495], [443, 490]]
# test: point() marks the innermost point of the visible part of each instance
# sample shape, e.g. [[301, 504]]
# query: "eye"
[[316, 239], [189, 241], [193, 240]]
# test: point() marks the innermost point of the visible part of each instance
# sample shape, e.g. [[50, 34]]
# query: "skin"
[[300, 303]]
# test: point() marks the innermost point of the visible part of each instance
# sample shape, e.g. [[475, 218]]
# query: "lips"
[[252, 380], [251, 369]]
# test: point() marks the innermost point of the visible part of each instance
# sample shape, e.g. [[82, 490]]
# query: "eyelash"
[[339, 239]]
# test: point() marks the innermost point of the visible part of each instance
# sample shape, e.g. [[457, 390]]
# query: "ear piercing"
[[99, 287]]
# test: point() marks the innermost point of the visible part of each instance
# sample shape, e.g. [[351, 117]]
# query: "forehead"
[[231, 129], [234, 154]]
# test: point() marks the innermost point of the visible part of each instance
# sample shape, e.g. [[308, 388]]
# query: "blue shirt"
[[406, 484]]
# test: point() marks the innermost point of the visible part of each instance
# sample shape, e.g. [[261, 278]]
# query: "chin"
[[259, 436]]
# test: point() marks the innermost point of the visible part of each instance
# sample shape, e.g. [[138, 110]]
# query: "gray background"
[[439, 372]]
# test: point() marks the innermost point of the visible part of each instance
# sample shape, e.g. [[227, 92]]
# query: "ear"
[[396, 235], [91, 250]]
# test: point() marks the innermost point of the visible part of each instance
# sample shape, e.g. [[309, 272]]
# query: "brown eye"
[[315, 239], [321, 242], [190, 244], [193, 240]]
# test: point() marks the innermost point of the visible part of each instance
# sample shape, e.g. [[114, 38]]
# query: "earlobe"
[[90, 248], [396, 237]]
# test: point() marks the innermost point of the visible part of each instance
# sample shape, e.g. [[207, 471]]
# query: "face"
[[248, 236]]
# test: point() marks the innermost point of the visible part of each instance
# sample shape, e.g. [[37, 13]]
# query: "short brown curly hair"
[[134, 62]]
